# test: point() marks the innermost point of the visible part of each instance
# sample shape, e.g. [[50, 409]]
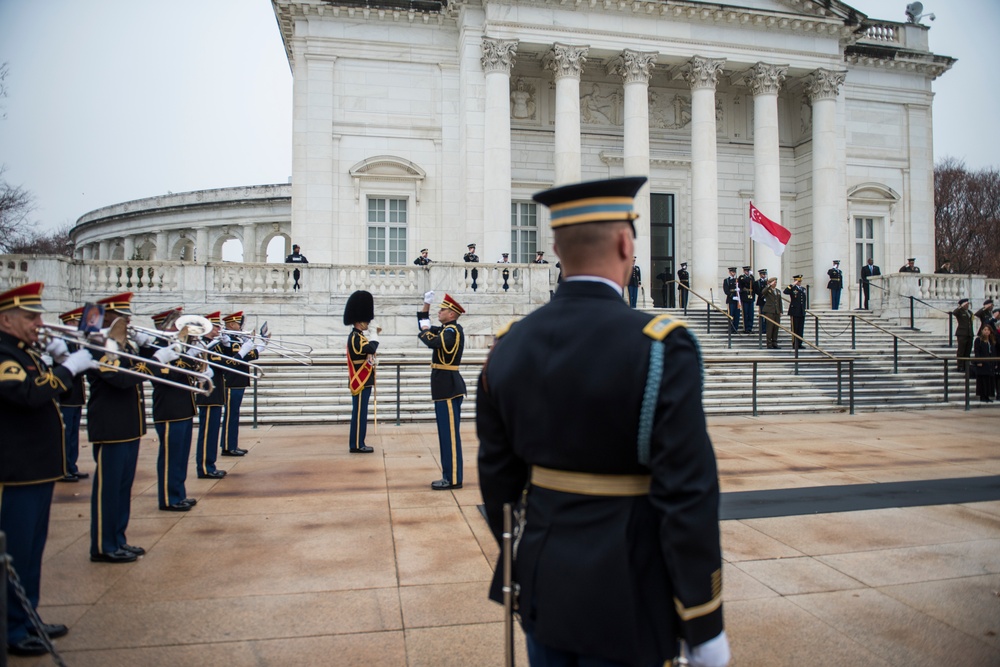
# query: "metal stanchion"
[[399, 373], [895, 355], [946, 362], [255, 403], [755, 389], [840, 384], [850, 387]]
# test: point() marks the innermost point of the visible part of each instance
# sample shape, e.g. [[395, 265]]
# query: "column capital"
[[498, 54], [633, 66], [702, 72], [824, 84], [763, 79], [565, 60]]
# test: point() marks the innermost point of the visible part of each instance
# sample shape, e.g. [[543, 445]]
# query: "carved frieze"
[[598, 108]]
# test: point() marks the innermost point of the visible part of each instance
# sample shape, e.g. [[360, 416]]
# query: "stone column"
[[827, 182], [635, 68], [250, 244], [162, 243], [497, 59], [703, 75], [566, 63], [202, 253], [764, 82], [128, 242], [104, 249]]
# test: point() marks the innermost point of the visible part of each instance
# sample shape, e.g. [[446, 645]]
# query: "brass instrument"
[[196, 326], [111, 341], [282, 348]]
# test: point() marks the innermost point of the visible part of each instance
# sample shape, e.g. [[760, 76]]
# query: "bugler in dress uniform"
[[245, 349], [31, 449], [71, 406], [210, 407], [447, 342], [362, 345], [618, 554]]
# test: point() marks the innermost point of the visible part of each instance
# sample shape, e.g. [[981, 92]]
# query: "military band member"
[[173, 419], [210, 406], [745, 283], [797, 310], [71, 406], [683, 284], [246, 349], [31, 451], [618, 557], [362, 345], [835, 284], [116, 420], [732, 291], [447, 342]]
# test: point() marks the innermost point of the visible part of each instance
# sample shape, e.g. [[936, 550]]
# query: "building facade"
[[430, 124]]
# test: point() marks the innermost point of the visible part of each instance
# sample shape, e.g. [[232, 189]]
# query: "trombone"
[[110, 341], [197, 326], [282, 348]]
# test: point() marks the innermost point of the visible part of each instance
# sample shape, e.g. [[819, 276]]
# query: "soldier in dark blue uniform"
[[797, 309], [245, 349], [362, 345], [732, 291], [745, 283], [835, 284], [173, 418], [759, 286], [618, 556], [683, 284], [31, 450], [210, 407], [71, 406], [116, 420], [447, 342]]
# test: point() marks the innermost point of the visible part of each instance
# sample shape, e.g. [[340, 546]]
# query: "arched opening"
[[276, 249], [232, 251]]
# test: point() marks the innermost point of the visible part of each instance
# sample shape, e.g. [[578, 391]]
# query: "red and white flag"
[[767, 231]]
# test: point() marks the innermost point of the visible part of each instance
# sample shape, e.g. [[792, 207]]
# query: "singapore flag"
[[767, 231]]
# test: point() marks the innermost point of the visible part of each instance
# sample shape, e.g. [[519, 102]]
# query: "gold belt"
[[444, 367], [590, 484]]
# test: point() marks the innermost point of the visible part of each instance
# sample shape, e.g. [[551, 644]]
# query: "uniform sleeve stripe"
[[688, 614]]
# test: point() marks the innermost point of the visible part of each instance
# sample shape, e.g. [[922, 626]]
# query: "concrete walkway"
[[307, 555]]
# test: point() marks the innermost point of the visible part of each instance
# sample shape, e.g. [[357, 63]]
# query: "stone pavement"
[[307, 555]]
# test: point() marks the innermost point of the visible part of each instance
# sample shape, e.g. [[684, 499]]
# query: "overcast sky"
[[114, 100]]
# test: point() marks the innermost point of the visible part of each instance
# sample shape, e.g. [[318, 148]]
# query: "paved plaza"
[[307, 555]]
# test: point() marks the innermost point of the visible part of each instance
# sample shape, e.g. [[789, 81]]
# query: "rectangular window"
[[523, 232], [864, 241], [387, 231]]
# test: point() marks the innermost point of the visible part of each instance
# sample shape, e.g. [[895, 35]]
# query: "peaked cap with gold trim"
[[160, 319], [215, 318], [592, 201], [72, 315], [234, 318], [119, 303], [26, 297], [451, 304]]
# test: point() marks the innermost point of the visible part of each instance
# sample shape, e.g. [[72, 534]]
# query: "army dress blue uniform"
[[731, 289], [236, 386], [447, 344], [683, 282], [835, 285], [210, 416], [32, 458], [797, 311], [173, 418], [745, 283], [621, 576], [71, 407]]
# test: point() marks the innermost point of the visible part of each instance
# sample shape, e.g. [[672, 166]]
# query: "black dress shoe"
[[233, 452], [138, 551], [362, 450], [444, 485], [177, 507], [120, 556], [189, 501], [216, 474], [82, 475], [30, 645], [241, 451], [69, 478], [53, 630]]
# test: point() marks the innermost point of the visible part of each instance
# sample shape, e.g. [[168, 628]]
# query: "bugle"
[[103, 341]]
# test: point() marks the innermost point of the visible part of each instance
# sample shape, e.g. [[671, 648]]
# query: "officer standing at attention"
[[173, 418], [362, 346], [683, 283], [732, 292], [745, 283], [618, 557], [210, 407], [759, 286], [910, 267], [296, 258], [116, 420], [31, 450], [71, 406], [447, 342], [243, 349], [473, 258], [797, 310], [963, 332], [634, 283], [836, 284]]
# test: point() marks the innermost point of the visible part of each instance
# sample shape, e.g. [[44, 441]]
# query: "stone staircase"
[[293, 393]]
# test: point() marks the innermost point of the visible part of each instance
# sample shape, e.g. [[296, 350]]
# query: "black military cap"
[[911, 259], [961, 301], [592, 201], [733, 269], [746, 268], [762, 272], [798, 277], [471, 245], [684, 265], [836, 261]]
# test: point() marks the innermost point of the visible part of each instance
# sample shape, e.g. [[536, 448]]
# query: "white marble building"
[[426, 124]]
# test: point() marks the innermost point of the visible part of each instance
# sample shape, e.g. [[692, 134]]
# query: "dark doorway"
[[662, 262]]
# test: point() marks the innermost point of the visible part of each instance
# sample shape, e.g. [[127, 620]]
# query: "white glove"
[[166, 355], [260, 348], [208, 372], [46, 359], [79, 361], [429, 297], [224, 338], [57, 350], [713, 653], [212, 344], [372, 334], [246, 347], [424, 324], [142, 339]]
